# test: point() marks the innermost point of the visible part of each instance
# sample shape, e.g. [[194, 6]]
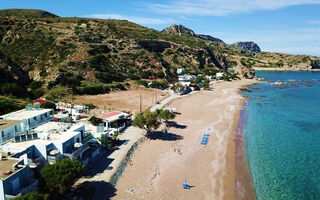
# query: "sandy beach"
[[159, 167]]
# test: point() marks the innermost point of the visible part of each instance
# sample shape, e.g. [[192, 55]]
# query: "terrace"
[[6, 167]]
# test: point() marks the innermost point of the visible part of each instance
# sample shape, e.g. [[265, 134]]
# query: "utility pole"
[[140, 104]]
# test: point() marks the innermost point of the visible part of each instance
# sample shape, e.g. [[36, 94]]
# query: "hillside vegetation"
[[42, 54]]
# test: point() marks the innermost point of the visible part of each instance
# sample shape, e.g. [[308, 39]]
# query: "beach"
[[159, 167]]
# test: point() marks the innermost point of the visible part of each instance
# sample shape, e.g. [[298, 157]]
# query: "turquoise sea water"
[[281, 128]]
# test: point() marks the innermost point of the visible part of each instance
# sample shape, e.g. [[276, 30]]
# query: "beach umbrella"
[[77, 145], [54, 152]]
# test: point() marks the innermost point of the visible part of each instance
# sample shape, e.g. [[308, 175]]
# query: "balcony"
[[33, 163], [77, 151]]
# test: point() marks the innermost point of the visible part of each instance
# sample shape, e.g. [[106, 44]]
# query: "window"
[[15, 128], [35, 118], [2, 133]]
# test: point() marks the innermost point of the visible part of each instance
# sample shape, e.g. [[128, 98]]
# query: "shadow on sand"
[[158, 135], [98, 190], [176, 125]]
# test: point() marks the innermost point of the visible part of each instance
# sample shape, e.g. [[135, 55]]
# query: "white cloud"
[[138, 20], [221, 7]]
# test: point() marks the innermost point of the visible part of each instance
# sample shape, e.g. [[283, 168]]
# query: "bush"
[[35, 85], [12, 89], [159, 84], [142, 82], [90, 106], [48, 105], [33, 196], [119, 86], [9, 105], [38, 92], [205, 84], [160, 74], [145, 74], [93, 89]]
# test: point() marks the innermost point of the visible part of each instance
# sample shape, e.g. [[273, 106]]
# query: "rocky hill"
[[184, 31], [248, 47], [92, 56], [44, 54], [179, 29], [25, 13]]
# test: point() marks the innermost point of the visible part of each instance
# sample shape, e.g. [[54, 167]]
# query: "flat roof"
[[4, 124], [112, 116], [25, 114], [6, 165], [56, 132]]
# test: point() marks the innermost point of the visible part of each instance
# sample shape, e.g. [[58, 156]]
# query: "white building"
[[219, 75], [16, 178], [181, 70], [50, 142], [115, 120], [72, 110], [9, 129], [31, 117]]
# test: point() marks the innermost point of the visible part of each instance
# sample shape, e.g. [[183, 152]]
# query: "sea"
[[281, 130]]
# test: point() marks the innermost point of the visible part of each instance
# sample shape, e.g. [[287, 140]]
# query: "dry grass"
[[124, 100]]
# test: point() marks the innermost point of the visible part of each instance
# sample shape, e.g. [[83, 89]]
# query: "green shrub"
[[159, 84], [90, 106], [9, 105], [35, 85], [119, 86], [142, 82], [95, 121], [33, 196], [12, 89], [48, 105]]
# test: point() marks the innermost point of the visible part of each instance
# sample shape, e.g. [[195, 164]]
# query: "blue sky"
[[289, 26]]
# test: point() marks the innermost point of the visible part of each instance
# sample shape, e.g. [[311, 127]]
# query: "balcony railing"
[[77, 152]]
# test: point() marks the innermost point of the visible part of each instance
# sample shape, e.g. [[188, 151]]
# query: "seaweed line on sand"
[[126, 160]]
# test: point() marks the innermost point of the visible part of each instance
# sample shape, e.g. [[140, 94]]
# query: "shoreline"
[[284, 69], [244, 185], [157, 164]]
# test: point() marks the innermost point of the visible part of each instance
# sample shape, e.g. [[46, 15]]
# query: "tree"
[[49, 105], [205, 84], [33, 196], [59, 177], [198, 79], [95, 120], [165, 115], [147, 120]]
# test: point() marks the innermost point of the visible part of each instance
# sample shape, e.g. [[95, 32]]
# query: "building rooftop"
[[112, 116], [6, 166], [25, 114], [4, 124], [48, 133]]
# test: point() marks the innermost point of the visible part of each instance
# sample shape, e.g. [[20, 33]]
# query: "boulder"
[[244, 72]]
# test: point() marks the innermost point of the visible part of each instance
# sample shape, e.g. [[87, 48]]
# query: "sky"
[[287, 26]]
